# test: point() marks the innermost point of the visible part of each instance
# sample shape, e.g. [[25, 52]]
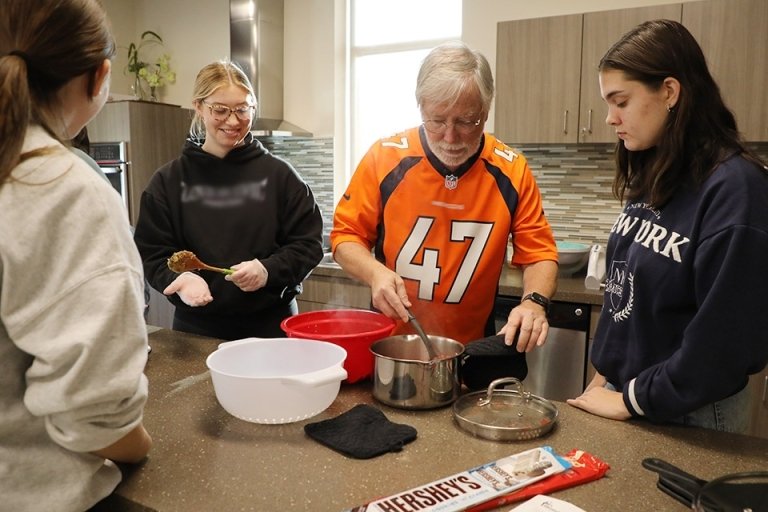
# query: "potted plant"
[[154, 74]]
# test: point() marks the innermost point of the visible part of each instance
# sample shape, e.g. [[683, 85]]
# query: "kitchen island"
[[204, 459]]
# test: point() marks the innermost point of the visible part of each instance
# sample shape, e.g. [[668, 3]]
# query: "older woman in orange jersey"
[[427, 215]]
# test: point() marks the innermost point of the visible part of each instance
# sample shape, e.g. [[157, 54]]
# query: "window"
[[389, 41]]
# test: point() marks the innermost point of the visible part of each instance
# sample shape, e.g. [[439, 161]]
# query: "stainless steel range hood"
[[256, 44]]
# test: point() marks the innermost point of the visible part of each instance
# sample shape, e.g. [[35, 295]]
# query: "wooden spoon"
[[184, 261]]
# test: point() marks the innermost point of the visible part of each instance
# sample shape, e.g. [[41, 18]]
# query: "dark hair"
[[81, 141], [43, 45], [700, 131]]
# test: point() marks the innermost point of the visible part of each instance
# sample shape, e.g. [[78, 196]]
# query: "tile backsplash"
[[575, 181], [313, 159]]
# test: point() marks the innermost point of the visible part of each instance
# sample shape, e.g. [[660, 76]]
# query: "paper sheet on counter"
[[542, 503]]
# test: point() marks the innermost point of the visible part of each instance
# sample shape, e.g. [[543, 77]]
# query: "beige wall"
[[308, 69], [194, 33], [197, 32], [123, 18]]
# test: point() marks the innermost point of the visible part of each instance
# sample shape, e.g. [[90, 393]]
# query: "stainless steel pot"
[[404, 376]]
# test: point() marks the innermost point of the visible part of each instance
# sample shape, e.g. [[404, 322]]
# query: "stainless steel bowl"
[[404, 376]]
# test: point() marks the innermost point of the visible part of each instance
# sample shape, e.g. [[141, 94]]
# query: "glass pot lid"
[[505, 414]]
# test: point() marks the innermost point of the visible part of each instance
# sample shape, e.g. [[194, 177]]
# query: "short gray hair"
[[452, 69]]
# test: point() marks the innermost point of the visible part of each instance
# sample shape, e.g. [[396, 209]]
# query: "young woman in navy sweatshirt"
[[684, 318]]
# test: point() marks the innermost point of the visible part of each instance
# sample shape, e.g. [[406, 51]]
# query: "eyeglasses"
[[221, 112], [462, 126]]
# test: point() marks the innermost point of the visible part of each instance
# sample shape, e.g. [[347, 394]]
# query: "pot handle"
[[499, 382], [327, 376]]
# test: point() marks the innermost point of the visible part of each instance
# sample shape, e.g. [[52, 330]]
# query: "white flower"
[[159, 73]]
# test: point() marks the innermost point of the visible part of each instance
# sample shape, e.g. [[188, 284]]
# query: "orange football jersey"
[[446, 236]]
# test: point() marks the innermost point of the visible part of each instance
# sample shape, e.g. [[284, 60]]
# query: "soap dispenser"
[[595, 268]]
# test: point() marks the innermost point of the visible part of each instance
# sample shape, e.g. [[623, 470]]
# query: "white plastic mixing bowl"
[[276, 380]]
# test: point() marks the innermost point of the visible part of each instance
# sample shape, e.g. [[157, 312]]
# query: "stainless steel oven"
[[112, 158], [557, 370]]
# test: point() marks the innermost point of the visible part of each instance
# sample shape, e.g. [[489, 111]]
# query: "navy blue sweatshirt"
[[249, 204], [685, 315]]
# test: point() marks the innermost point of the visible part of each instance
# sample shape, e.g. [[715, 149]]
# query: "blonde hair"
[[211, 78], [43, 45]]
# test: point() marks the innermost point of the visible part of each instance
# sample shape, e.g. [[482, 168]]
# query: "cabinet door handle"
[[589, 121], [765, 390], [565, 122]]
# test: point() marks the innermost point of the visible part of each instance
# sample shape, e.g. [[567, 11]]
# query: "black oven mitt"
[[362, 432], [488, 359]]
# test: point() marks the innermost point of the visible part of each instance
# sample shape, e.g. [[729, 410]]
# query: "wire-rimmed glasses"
[[221, 112], [463, 126]]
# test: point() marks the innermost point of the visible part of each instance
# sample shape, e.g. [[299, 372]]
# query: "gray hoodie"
[[73, 342]]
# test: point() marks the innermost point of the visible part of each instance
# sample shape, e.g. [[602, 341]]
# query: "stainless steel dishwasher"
[[558, 370]]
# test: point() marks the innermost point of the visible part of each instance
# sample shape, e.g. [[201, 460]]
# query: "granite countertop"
[[205, 459], [569, 288]]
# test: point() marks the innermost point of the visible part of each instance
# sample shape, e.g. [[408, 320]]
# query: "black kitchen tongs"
[[685, 488], [675, 482]]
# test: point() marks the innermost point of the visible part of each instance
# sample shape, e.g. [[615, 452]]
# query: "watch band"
[[538, 299]]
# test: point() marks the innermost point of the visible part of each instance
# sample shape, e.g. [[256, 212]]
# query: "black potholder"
[[488, 359], [362, 432]]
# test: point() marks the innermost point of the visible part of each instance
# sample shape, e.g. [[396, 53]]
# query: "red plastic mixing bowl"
[[352, 329]]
